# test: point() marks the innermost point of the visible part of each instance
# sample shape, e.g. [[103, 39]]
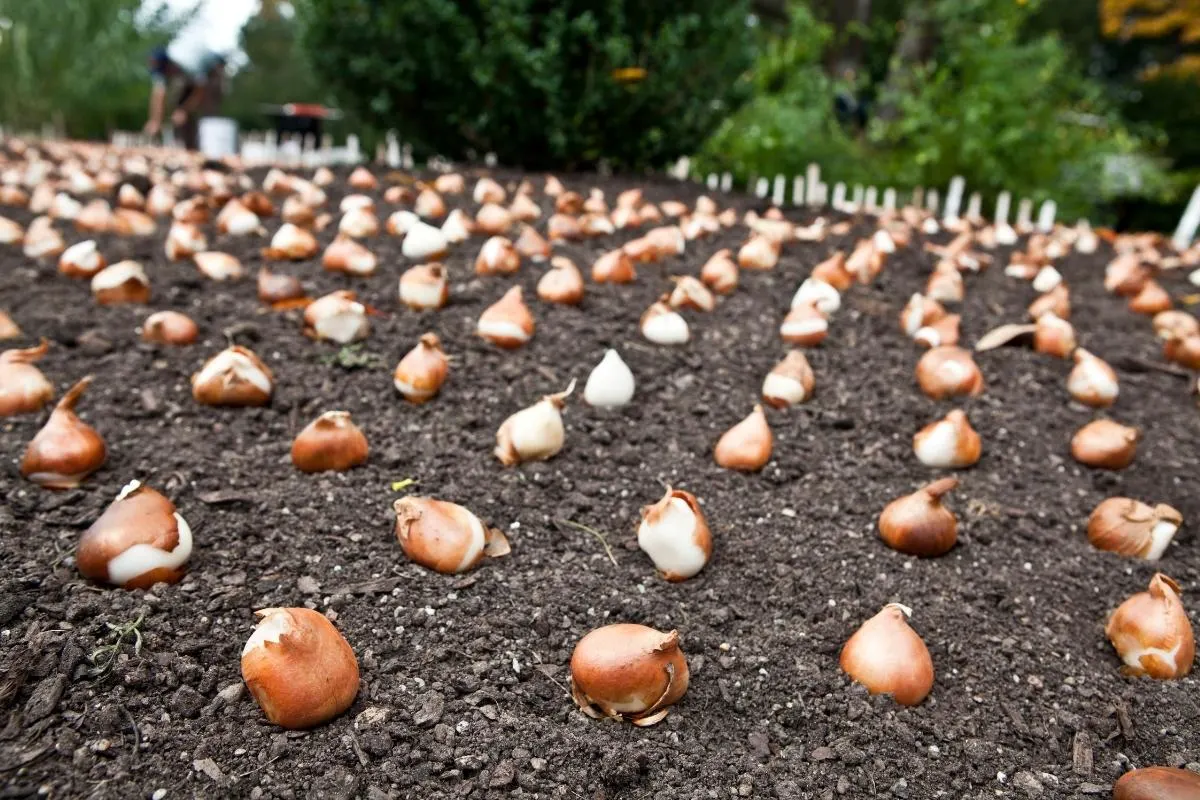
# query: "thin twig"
[[600, 536]]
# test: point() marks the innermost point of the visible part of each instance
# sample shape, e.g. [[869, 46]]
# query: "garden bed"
[[464, 679]]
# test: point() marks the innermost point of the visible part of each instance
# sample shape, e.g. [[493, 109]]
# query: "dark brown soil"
[[464, 679]]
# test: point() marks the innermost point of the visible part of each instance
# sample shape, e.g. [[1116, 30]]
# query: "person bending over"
[[194, 78]]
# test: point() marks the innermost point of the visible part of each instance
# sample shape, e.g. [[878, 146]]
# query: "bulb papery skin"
[[610, 384], [1158, 783], [628, 672], [746, 446], [420, 374], [675, 535], [888, 657], [1151, 632], [233, 377], [535, 433], [138, 541], [663, 325], [1132, 528], [790, 382], [507, 323], [818, 294], [444, 536], [949, 443], [1092, 382], [299, 668]]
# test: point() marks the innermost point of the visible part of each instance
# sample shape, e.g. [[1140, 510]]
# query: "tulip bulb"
[[949, 372], [610, 384], [297, 212], [8, 328], [833, 272], [81, 260], [1184, 351], [1105, 444], [760, 253], [429, 205], [1054, 336], [628, 672], [233, 377], [497, 257], [292, 243], [66, 450], [561, 227], [1152, 299], [534, 433], [614, 266], [493, 220], [675, 535], [918, 524], [720, 273], [42, 239], [348, 256], [818, 294], [23, 387], [532, 245], [123, 282], [444, 536], [562, 284], [919, 312], [138, 541], [866, 262], [804, 326], [553, 187], [888, 657], [1092, 382], [456, 229], [424, 242], [789, 383], [362, 180], [420, 374], [359, 223], [507, 323], [237, 220], [300, 670], [184, 240], [488, 191], [10, 232], [337, 317], [943, 333], [449, 183], [1151, 632], [1056, 301], [1046, 279], [662, 324], [1175, 325], [277, 288], [945, 285], [169, 327], [218, 266], [1132, 528], [949, 443], [746, 446], [330, 443], [1157, 783]]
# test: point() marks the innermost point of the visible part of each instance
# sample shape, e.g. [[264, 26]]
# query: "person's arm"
[[190, 104], [158, 95]]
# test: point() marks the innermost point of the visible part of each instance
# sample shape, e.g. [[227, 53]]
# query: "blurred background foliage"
[[1091, 102]]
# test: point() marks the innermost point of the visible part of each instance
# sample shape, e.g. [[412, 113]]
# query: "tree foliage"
[[81, 68], [539, 83]]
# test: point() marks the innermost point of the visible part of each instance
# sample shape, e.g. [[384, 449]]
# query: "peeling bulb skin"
[[330, 443], [720, 272], [1092, 382], [123, 282], [424, 242], [299, 668], [614, 266], [888, 657], [833, 272], [1132, 528], [610, 384], [918, 524], [1105, 444], [424, 287], [82, 260], [949, 372], [818, 294], [66, 450], [1158, 783], [790, 382], [675, 535], [235, 377], [1054, 336], [169, 328], [534, 433], [562, 283], [746, 446], [138, 541], [628, 672], [949, 443], [444, 536], [277, 288], [760, 253], [918, 313], [804, 326], [337, 317], [497, 257], [1152, 634], [943, 333], [23, 387], [420, 374], [507, 323], [691, 294]]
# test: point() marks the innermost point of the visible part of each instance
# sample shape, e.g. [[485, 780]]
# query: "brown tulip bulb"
[[1151, 632], [1105, 444], [66, 450], [888, 657], [330, 443], [628, 672], [918, 524], [138, 541]]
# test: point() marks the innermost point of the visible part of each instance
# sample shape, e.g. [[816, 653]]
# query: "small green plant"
[[105, 656], [353, 356]]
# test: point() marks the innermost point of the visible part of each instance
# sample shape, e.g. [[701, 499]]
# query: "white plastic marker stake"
[[839, 196], [823, 195], [726, 182], [797, 190], [812, 179], [858, 197], [713, 182], [872, 199], [954, 196], [918, 197], [761, 187], [1003, 204], [353, 153], [889, 199], [931, 201], [1046, 216], [975, 207], [393, 150], [778, 191], [1024, 214], [1190, 222], [406, 159]]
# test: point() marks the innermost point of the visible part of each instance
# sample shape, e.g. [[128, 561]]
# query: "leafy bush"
[[566, 84], [1005, 109]]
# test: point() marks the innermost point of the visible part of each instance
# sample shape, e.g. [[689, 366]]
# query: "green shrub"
[[539, 83]]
